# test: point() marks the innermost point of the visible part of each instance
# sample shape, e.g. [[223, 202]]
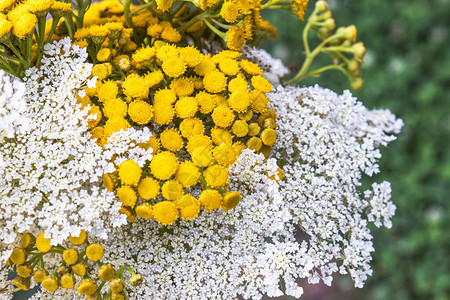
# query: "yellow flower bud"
[[67, 281], [39, 275], [116, 285], [106, 272], [50, 283], [118, 296], [24, 271], [70, 256], [231, 200], [94, 252], [87, 287], [18, 256], [80, 269], [27, 241], [42, 243], [136, 280], [22, 283], [78, 241], [321, 6]]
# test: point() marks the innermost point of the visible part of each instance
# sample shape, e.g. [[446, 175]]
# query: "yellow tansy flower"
[[187, 174], [210, 199], [189, 207], [171, 140], [231, 200], [164, 165], [140, 112], [215, 82], [223, 116], [129, 172], [216, 176], [192, 126], [186, 107], [165, 212], [127, 195], [148, 188], [172, 190]]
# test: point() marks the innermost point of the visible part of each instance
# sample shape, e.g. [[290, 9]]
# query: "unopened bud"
[[87, 287], [18, 256], [24, 271], [357, 83], [359, 50], [39, 275], [116, 285], [67, 281], [321, 6], [27, 241], [330, 24], [22, 283], [106, 272], [136, 280], [50, 283], [79, 269]]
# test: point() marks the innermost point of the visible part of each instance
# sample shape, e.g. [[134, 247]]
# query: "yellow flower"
[[202, 156], [172, 190], [42, 243], [24, 25], [216, 176], [259, 101], [186, 107], [248, 27], [220, 136], [229, 12], [300, 8], [87, 287], [148, 188], [165, 96], [164, 165], [115, 124], [239, 101], [189, 207], [67, 281], [165, 212], [6, 4], [187, 174], [37, 6], [24, 271], [22, 283], [277, 176], [163, 113], [80, 269], [18, 256], [231, 200], [94, 252], [60, 8], [106, 272], [215, 82], [164, 5], [70, 256], [39, 275], [154, 78], [246, 115], [108, 90], [224, 154], [80, 239], [206, 66], [210, 199], [127, 195], [167, 51], [140, 112], [182, 87], [49, 283], [5, 25], [254, 143], [240, 128], [27, 241], [115, 108], [235, 38], [261, 84], [144, 211], [198, 140], [134, 86], [191, 126], [253, 129], [205, 102], [100, 71], [104, 54], [154, 30], [144, 54], [223, 116], [96, 113], [129, 172], [191, 56], [170, 34], [269, 136], [250, 68], [229, 66], [171, 140], [174, 67]]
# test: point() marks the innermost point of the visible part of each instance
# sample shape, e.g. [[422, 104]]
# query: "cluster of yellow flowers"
[[203, 109], [80, 268]]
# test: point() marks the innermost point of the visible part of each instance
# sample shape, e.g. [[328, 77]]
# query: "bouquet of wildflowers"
[[151, 151]]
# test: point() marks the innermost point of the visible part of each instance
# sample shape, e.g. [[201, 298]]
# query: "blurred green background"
[[407, 70]]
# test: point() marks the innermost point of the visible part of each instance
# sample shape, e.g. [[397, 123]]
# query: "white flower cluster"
[[12, 106], [52, 181]]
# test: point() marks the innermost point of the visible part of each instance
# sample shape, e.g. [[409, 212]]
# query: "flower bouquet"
[[152, 151]]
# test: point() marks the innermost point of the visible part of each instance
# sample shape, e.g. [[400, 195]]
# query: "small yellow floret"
[[42, 243], [229, 12], [191, 56], [134, 86], [80, 239], [70, 256], [154, 78], [240, 128], [223, 116], [144, 211], [148, 188], [254, 143], [261, 84], [164, 5], [107, 91], [49, 283], [127, 195], [186, 107], [235, 37], [182, 87], [216, 176], [174, 67], [237, 84], [129, 172], [189, 207], [210, 199], [205, 102], [165, 212], [104, 54], [171, 140], [259, 101], [115, 124], [140, 112], [250, 67], [192, 126], [198, 140], [172, 190], [115, 108], [94, 252], [219, 136], [202, 156], [163, 113], [215, 82], [187, 174], [206, 66], [100, 71], [224, 154], [165, 96], [269, 136], [24, 26], [229, 66], [239, 101], [231, 200], [164, 165]]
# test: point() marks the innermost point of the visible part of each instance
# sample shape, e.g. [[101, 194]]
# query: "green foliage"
[[408, 71]]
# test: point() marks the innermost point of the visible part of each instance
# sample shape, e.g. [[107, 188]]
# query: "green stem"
[[69, 24], [194, 20], [52, 29], [224, 26], [214, 29], [142, 7], [270, 3]]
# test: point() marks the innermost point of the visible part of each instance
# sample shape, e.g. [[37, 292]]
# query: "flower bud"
[[270, 123], [80, 269], [118, 296], [18, 256], [106, 272], [39, 275], [330, 24], [136, 280], [359, 50], [356, 83], [78, 241], [94, 252], [50, 283], [27, 241], [62, 270], [70, 256], [24, 271], [43, 243], [87, 287], [67, 281], [22, 283], [321, 6], [116, 285]]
